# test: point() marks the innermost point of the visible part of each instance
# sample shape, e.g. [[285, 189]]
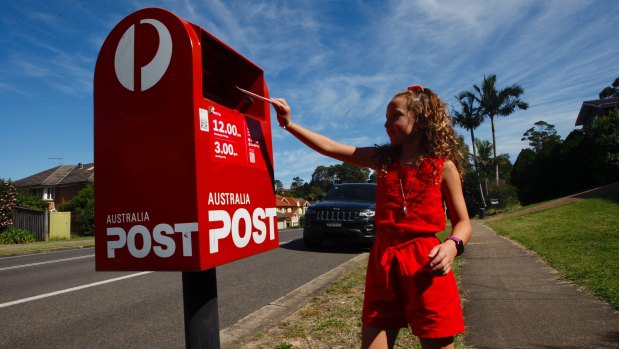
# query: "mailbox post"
[[184, 160]]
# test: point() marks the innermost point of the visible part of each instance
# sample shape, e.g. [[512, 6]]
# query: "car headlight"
[[367, 214]]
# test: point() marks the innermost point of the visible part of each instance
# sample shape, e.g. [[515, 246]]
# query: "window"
[[37, 192], [49, 193], [44, 193]]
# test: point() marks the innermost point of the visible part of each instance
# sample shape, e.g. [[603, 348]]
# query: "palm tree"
[[484, 159], [493, 102], [469, 119]]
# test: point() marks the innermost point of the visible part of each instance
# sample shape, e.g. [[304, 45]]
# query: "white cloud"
[[339, 71]]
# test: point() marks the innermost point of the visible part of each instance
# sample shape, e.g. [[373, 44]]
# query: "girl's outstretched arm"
[[324, 145], [442, 256]]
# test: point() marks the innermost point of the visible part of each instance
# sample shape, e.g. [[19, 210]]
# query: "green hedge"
[[15, 236]]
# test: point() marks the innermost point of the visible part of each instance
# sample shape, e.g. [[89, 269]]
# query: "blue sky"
[[336, 62]]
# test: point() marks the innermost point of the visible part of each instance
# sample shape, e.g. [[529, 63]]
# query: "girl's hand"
[[442, 258], [283, 111]]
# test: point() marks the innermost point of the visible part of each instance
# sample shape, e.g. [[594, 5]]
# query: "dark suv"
[[346, 213]]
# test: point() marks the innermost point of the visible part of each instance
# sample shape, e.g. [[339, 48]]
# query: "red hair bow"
[[415, 88]]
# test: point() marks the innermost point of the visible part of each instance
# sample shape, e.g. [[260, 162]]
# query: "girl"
[[409, 278]]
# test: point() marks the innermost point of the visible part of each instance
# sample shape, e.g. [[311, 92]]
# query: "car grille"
[[342, 216]]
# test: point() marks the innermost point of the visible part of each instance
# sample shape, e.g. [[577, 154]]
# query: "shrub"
[[82, 207], [16, 236], [8, 198], [85, 218], [32, 202], [505, 194]]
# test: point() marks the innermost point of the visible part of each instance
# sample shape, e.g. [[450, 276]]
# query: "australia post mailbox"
[[184, 159]]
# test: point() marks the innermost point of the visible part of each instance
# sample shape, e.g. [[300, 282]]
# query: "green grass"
[[54, 244], [579, 239]]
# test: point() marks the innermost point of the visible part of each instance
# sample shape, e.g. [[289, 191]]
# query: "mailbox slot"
[[222, 70]]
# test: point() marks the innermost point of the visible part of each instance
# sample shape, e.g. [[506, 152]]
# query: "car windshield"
[[366, 193]]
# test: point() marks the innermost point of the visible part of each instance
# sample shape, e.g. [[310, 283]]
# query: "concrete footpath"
[[512, 299]]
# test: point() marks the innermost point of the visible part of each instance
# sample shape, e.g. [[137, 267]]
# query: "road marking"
[[48, 262], [56, 293]]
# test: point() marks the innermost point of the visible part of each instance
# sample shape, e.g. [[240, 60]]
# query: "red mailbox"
[[184, 159]]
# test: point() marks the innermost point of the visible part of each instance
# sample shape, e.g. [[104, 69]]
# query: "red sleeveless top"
[[418, 188]]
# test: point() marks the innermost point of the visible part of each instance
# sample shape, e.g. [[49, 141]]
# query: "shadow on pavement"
[[327, 247]]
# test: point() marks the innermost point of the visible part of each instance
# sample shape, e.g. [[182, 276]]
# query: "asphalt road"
[[57, 300]]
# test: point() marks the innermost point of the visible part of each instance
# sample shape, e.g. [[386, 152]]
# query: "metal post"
[[201, 311]]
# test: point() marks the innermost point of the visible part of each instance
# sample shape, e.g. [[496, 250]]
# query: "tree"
[[297, 182], [604, 133], [484, 159], [587, 158], [82, 206], [576, 162], [463, 162], [610, 91], [505, 166], [322, 178], [525, 176], [325, 177], [469, 119], [540, 134], [279, 187], [493, 102], [348, 173], [484, 163]]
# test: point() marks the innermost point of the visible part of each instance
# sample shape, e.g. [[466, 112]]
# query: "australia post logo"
[[125, 57], [232, 221]]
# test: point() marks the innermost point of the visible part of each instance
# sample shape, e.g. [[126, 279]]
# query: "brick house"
[[58, 184], [290, 211], [591, 109]]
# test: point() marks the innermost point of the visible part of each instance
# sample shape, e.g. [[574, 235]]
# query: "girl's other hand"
[[283, 111], [442, 258]]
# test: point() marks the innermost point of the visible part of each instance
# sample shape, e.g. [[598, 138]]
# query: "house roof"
[[288, 201], [590, 109], [289, 214], [60, 175], [281, 216]]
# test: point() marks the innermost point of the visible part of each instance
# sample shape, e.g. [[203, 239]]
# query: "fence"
[[34, 221]]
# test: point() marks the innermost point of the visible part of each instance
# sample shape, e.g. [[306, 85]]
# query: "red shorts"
[[400, 290]]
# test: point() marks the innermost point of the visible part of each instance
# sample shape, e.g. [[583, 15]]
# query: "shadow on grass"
[[608, 192]]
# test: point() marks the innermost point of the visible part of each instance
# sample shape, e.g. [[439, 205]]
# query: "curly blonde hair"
[[434, 122]]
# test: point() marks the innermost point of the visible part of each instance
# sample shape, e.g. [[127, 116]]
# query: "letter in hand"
[[269, 100], [283, 111]]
